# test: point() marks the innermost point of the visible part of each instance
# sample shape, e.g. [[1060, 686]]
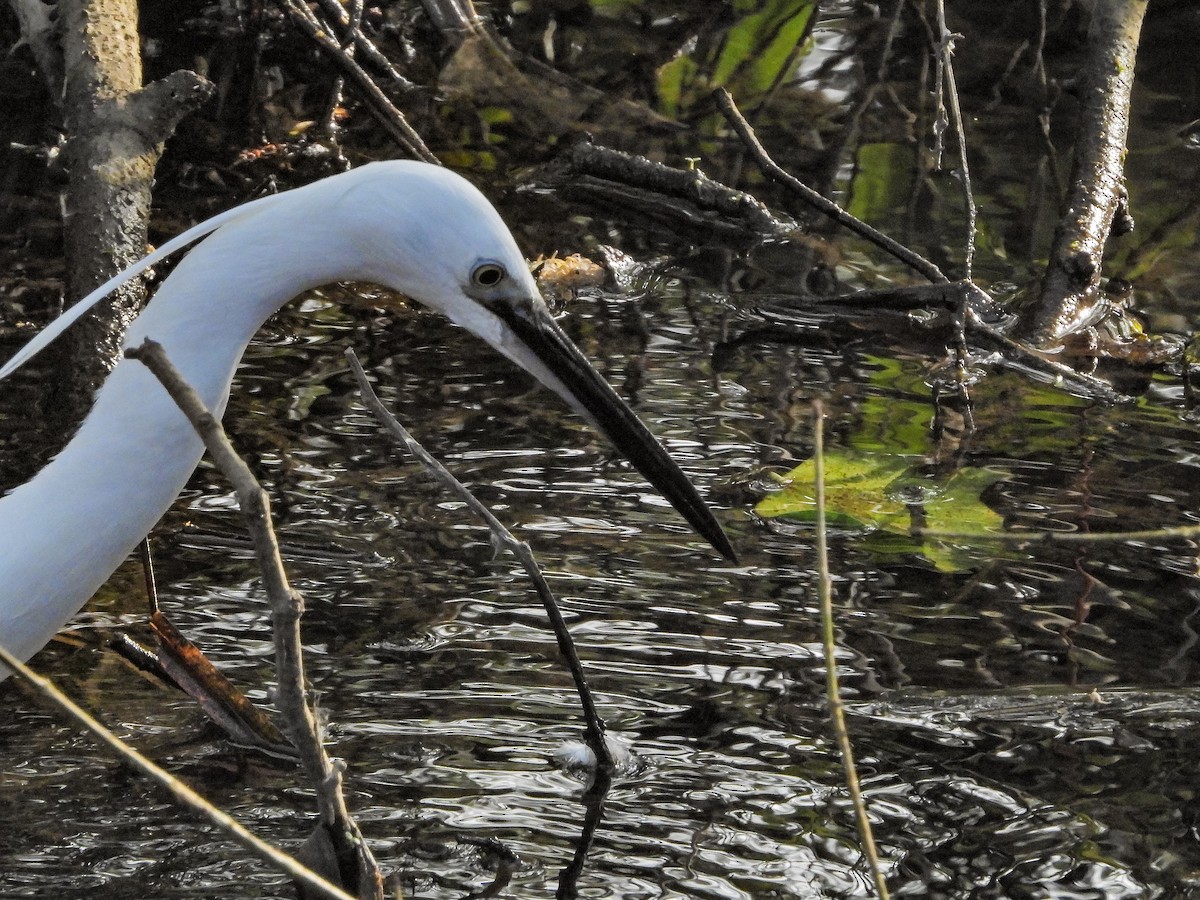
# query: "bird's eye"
[[488, 274]]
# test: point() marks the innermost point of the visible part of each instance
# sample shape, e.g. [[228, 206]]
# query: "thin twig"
[[455, 19], [148, 579], [837, 711], [502, 538], [182, 794], [356, 39], [909, 257], [950, 88], [287, 607]]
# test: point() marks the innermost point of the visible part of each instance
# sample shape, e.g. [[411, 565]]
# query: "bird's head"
[[427, 233]]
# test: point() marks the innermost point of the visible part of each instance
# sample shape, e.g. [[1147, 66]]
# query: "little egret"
[[417, 229]]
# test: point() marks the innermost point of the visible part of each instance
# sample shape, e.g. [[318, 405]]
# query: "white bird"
[[417, 229]]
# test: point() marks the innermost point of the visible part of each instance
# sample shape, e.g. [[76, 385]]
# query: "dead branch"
[[116, 129], [353, 860], [615, 177], [1070, 298]]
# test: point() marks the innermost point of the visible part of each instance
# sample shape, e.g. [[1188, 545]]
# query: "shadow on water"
[[1026, 721]]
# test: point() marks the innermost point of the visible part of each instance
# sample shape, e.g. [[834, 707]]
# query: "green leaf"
[[855, 492], [876, 493], [757, 51]]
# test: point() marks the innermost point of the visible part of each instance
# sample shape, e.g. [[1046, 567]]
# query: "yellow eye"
[[488, 274]]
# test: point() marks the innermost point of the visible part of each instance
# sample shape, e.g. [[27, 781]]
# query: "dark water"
[[1026, 724]]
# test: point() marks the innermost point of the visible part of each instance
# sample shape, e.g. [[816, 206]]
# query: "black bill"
[[586, 389]]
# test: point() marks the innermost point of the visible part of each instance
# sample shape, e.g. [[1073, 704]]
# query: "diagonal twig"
[[501, 538], [909, 257], [377, 101], [182, 794], [287, 606]]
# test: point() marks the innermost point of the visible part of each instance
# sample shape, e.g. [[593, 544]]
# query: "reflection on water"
[[987, 771], [991, 767]]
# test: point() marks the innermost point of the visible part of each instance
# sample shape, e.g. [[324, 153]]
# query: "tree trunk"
[[116, 129]]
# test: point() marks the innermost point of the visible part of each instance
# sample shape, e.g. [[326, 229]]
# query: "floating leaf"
[[877, 493], [855, 492]]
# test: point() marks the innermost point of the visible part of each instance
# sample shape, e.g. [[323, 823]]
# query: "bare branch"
[[377, 101], [824, 205], [287, 606]]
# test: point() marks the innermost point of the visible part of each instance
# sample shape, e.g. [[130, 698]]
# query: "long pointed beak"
[[586, 390]]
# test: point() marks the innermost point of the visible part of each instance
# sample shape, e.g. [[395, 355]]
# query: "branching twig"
[[501, 538], [286, 608], [837, 711], [354, 38], [183, 794]]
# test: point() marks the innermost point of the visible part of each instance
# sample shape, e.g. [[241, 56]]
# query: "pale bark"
[[1071, 297], [115, 133]]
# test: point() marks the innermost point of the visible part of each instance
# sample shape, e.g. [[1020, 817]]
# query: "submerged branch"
[[1070, 298]]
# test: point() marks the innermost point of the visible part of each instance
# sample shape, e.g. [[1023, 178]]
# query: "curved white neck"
[[64, 532]]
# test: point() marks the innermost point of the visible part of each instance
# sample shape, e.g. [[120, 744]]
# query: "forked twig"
[[377, 101], [287, 606], [502, 538]]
